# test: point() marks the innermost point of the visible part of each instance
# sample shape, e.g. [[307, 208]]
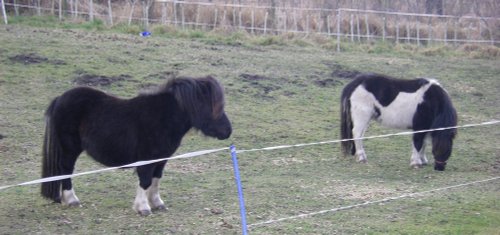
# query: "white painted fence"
[[343, 24]]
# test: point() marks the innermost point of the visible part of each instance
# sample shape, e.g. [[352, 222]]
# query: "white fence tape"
[[135, 164], [203, 152], [368, 203], [493, 122]]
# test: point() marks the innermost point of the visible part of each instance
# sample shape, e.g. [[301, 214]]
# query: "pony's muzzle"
[[439, 166], [225, 134]]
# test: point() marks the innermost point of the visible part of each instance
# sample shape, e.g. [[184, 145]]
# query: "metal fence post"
[[240, 190]]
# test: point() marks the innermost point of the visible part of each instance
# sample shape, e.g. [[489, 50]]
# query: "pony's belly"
[[396, 116], [396, 121]]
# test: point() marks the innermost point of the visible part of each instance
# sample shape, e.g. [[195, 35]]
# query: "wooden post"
[[358, 29], [60, 9], [328, 25], [408, 32], [4, 13], [367, 28], [295, 20], [215, 17], [265, 22], [110, 13], [183, 18], [284, 22], [91, 10], [383, 28], [307, 24], [429, 28], [418, 32], [233, 25], [75, 7], [223, 21], [197, 16], [338, 30], [164, 13], [174, 8], [352, 28], [240, 19], [446, 32], [253, 19], [132, 7], [455, 32], [397, 29], [469, 29], [480, 29]]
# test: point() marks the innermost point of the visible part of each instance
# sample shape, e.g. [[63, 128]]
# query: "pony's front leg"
[[148, 193], [153, 194], [418, 158], [141, 205], [360, 152]]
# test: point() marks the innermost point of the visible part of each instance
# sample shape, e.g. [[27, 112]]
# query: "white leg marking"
[[361, 118], [69, 198], [153, 194], [423, 158], [141, 205], [415, 161], [418, 158]]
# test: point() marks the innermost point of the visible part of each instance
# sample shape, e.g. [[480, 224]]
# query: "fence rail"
[[344, 24]]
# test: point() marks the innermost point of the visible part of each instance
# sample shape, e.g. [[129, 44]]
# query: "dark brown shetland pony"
[[117, 132]]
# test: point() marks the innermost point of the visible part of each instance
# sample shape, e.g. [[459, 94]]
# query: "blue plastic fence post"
[[240, 190]]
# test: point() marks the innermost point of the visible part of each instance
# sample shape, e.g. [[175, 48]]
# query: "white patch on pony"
[[69, 198], [141, 205], [153, 194], [399, 113]]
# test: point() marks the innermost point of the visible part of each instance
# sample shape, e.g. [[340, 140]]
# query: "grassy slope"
[[295, 100]]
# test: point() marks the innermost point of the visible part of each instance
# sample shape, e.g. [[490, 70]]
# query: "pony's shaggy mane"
[[189, 91]]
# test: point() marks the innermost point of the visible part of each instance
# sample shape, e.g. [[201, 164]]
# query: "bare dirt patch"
[[33, 58], [162, 75], [262, 85], [252, 77], [329, 82], [345, 73], [99, 80], [338, 73]]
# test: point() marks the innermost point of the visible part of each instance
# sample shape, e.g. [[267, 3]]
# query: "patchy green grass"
[[277, 93]]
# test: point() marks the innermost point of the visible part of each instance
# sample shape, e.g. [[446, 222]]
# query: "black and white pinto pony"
[[116, 132], [418, 104]]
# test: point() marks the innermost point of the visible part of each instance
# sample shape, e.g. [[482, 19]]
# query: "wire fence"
[[234, 153], [344, 24]]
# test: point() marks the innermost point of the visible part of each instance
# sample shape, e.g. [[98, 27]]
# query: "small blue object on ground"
[[145, 34]]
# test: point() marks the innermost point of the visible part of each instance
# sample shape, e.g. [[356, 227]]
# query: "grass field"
[[277, 93]]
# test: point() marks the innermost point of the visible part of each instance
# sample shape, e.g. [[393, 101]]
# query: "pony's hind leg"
[[68, 196], [418, 158], [360, 118]]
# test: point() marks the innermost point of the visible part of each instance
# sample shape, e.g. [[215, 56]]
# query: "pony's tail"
[[348, 147], [442, 140], [51, 156]]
